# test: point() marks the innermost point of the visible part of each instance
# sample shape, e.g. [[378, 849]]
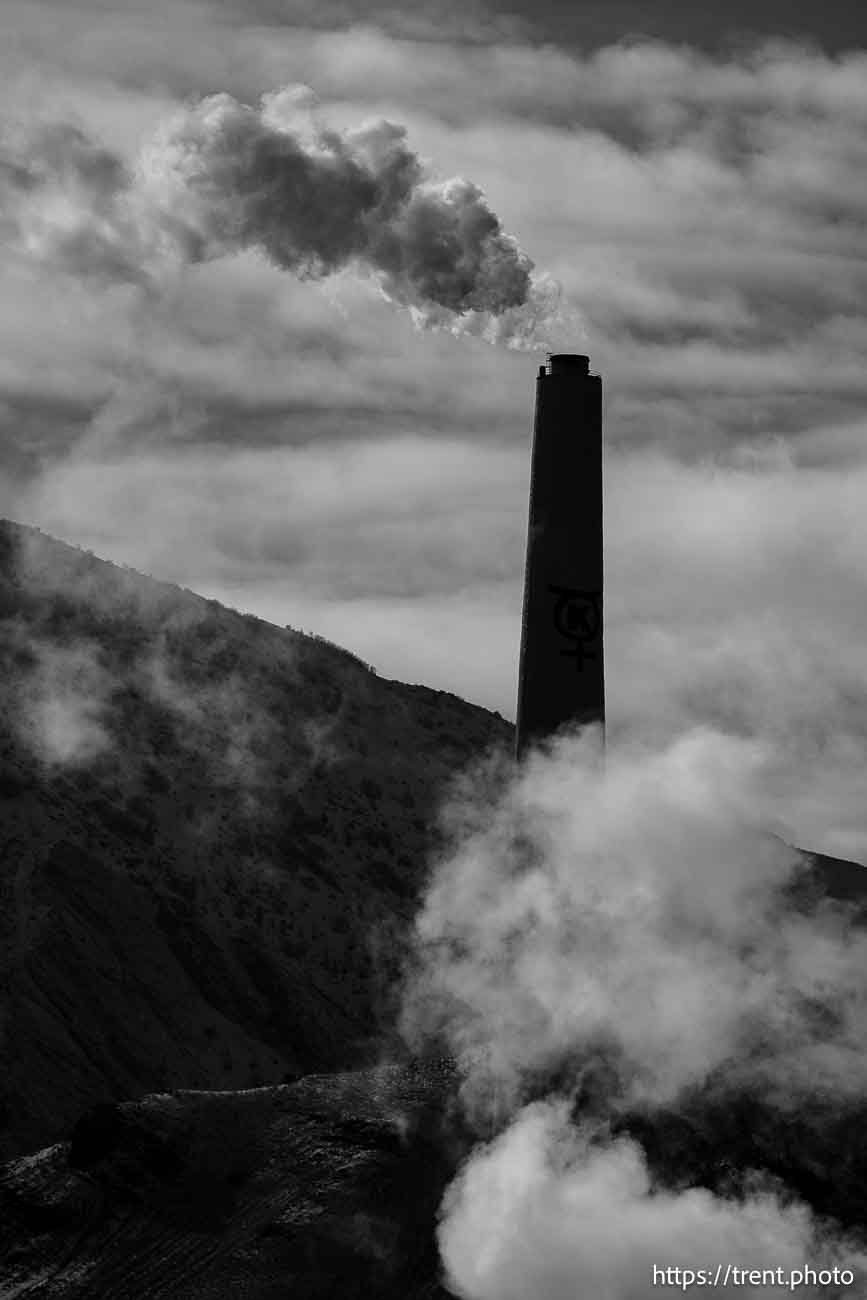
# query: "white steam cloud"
[[544, 1211], [222, 176], [628, 921], [638, 906]]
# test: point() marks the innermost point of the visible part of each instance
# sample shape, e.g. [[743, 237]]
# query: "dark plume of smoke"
[[222, 176]]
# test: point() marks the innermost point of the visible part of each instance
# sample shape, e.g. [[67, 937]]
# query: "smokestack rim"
[[568, 363]]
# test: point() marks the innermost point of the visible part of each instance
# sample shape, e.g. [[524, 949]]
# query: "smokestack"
[[561, 672]]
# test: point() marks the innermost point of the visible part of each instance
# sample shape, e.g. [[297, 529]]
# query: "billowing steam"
[[545, 1212], [605, 941], [222, 176]]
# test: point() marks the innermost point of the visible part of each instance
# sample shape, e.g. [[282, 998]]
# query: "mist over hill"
[[220, 842], [213, 832]]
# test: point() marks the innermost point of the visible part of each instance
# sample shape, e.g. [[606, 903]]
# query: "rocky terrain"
[[212, 834], [325, 1188]]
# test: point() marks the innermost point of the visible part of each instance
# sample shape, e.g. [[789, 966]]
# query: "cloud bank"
[[288, 445]]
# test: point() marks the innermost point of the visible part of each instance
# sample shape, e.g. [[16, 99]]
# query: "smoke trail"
[[609, 950], [221, 176]]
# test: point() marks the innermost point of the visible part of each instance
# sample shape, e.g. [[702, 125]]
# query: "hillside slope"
[[212, 832], [325, 1188]]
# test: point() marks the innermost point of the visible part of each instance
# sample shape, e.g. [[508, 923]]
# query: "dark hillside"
[[323, 1189], [212, 831]]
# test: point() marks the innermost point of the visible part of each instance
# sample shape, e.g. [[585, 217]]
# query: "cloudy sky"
[[231, 358]]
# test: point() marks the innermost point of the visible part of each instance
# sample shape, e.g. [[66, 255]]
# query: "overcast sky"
[[319, 432]]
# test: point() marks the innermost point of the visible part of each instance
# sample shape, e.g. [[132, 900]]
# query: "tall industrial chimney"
[[561, 674]]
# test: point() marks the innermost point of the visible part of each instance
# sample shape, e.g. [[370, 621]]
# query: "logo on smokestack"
[[578, 617]]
